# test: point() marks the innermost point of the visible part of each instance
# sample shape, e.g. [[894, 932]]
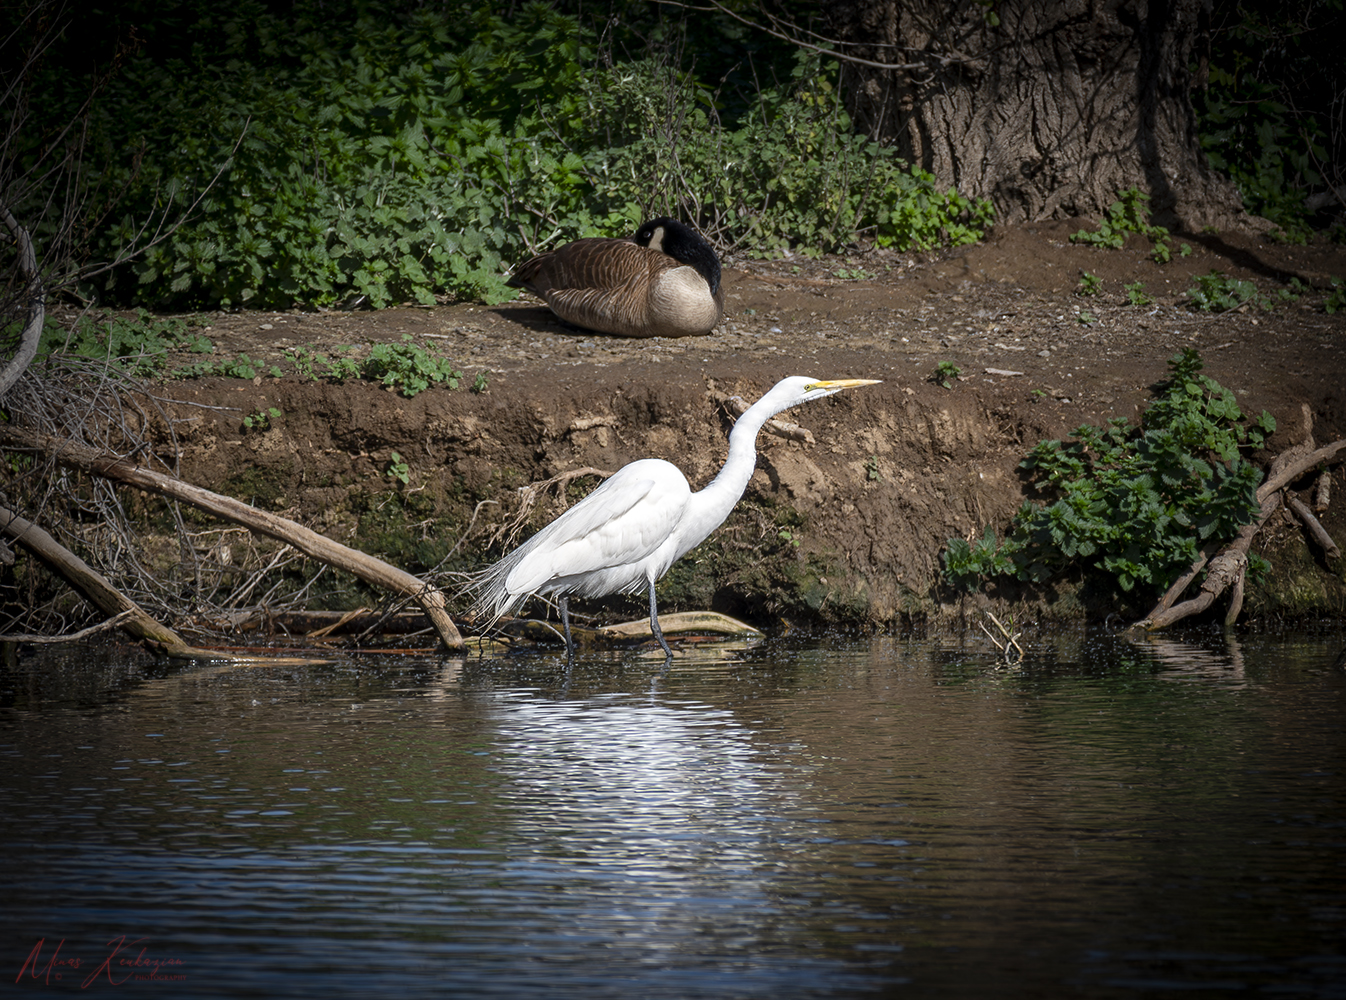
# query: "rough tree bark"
[[1046, 107]]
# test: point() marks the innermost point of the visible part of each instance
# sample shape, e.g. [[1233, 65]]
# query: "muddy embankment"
[[846, 528]]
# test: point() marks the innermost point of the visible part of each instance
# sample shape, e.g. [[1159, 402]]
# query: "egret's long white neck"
[[712, 505]]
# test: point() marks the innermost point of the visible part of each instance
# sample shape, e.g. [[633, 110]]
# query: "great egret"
[[662, 282], [627, 533]]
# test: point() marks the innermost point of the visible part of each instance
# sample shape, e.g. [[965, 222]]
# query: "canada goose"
[[662, 282]]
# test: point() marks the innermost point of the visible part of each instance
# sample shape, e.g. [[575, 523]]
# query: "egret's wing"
[[620, 524]]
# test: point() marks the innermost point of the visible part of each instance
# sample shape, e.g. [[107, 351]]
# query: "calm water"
[[830, 818]]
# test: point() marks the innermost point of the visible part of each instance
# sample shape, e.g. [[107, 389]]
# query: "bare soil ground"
[[848, 528]]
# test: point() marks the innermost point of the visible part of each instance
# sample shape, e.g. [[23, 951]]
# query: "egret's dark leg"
[[565, 624], [654, 627]]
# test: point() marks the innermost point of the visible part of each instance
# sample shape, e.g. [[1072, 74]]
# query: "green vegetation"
[[946, 373], [1336, 299], [1218, 292], [329, 154], [1090, 284], [398, 469], [1130, 504], [1266, 117], [135, 345], [316, 366], [872, 471], [409, 368], [1135, 294], [1128, 214], [260, 420]]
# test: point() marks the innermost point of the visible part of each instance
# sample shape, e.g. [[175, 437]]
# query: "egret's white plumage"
[[627, 533]]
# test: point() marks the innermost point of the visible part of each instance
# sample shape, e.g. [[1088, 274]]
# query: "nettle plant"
[[1132, 504], [412, 160]]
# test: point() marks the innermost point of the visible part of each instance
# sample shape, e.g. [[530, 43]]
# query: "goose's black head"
[[682, 243]]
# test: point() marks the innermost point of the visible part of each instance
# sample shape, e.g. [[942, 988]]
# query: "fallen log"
[[366, 567]]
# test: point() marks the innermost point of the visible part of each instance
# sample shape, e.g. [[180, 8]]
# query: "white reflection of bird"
[[627, 533]]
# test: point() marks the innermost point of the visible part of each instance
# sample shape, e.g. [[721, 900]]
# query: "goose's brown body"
[[619, 286]]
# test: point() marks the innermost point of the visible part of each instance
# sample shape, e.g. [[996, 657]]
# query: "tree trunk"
[[1046, 107]]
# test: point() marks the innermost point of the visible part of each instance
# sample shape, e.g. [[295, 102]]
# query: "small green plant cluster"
[[1132, 504], [135, 345], [946, 374], [1336, 299], [260, 420], [1218, 292], [316, 366], [1136, 295], [398, 469], [1128, 214], [409, 368], [1090, 284]]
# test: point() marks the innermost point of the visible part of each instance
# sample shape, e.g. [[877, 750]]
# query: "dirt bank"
[[847, 528]]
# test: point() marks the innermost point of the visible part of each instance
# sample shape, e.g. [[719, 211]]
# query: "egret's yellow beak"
[[844, 383]]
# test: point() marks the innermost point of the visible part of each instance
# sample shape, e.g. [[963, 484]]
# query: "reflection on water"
[[829, 818]]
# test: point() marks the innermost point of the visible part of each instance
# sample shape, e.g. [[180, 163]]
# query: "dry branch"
[[1314, 528], [98, 591], [371, 570], [781, 428], [37, 304]]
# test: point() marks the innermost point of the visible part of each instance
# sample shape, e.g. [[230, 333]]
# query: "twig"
[[114, 622], [1011, 641]]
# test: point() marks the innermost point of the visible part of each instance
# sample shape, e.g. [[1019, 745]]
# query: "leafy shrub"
[[1132, 504], [346, 158], [1266, 117]]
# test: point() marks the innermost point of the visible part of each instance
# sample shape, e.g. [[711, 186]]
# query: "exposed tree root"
[[1226, 569]]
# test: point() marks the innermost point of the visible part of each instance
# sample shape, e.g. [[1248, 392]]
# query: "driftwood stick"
[[781, 428], [367, 568], [1181, 584], [1322, 496], [110, 623], [1236, 596], [98, 591], [1314, 527]]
